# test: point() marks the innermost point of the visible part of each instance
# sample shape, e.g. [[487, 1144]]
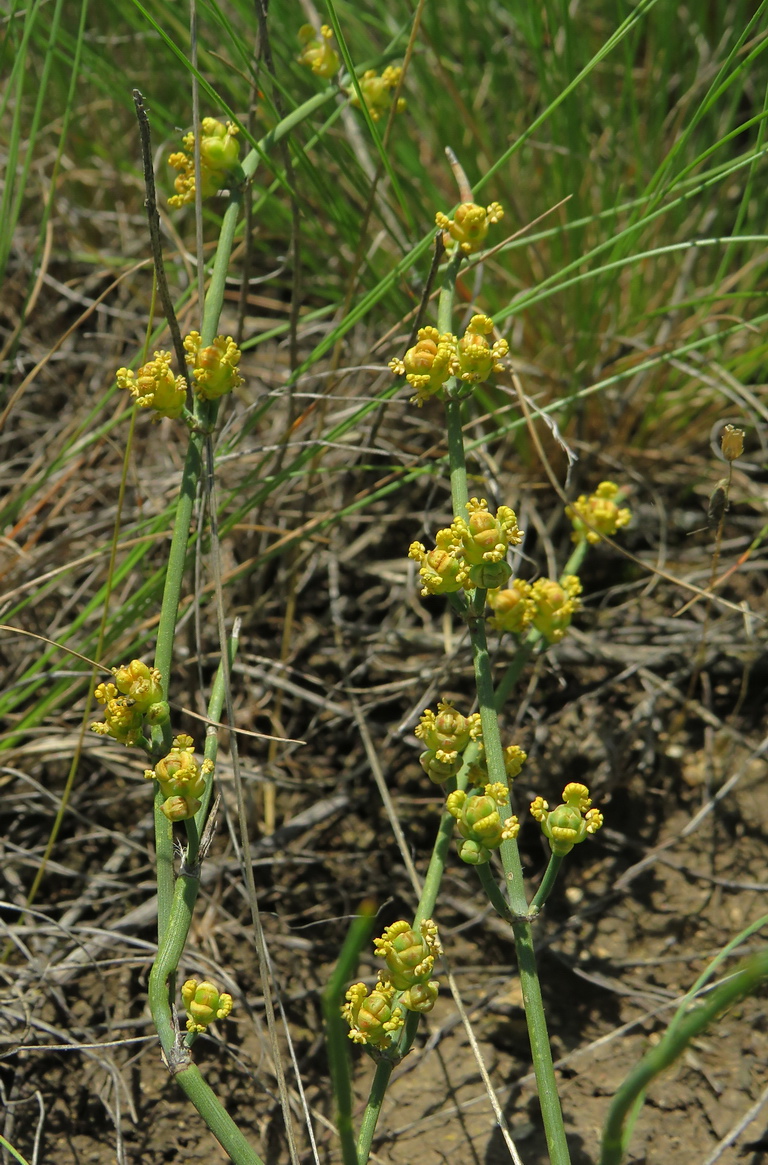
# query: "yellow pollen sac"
[[219, 161], [155, 387], [598, 514], [316, 51], [469, 225], [377, 91], [204, 1004], [216, 371], [569, 823]]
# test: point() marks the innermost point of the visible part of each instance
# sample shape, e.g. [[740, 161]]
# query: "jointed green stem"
[[456, 460], [513, 872], [216, 1116], [168, 955], [161, 979], [526, 959], [458, 468]]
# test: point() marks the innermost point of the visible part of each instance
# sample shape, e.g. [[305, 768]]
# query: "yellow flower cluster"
[[219, 161], [598, 514], [470, 553], [546, 605], [556, 603], [480, 823], [133, 704], [445, 737], [514, 759], [375, 1017], [215, 366], [377, 91], [182, 780], [155, 387], [204, 1004], [316, 51], [469, 225], [513, 607], [435, 357], [133, 701], [569, 823]]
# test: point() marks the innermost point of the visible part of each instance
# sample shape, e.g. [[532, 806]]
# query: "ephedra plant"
[[463, 753], [468, 564]]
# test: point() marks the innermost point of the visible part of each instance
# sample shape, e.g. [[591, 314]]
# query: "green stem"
[[296, 117], [508, 681], [380, 1082], [373, 1108], [494, 756], [547, 883], [168, 955], [456, 459], [541, 1053], [494, 894], [214, 297], [161, 737], [171, 945], [210, 752], [424, 910], [204, 414], [546, 1083], [436, 868], [170, 948], [216, 1116], [458, 467]]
